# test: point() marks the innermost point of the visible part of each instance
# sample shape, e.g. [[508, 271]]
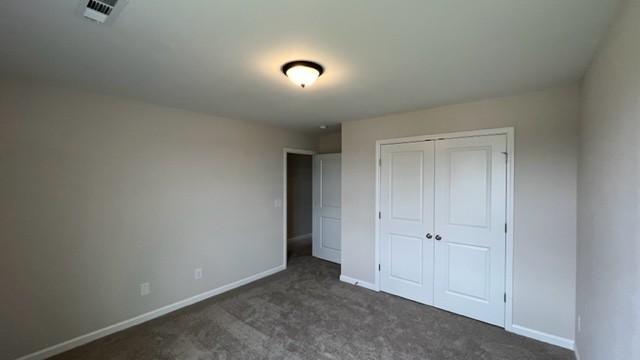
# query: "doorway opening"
[[312, 205], [299, 204]]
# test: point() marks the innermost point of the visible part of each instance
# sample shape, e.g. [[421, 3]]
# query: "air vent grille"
[[99, 10], [99, 7]]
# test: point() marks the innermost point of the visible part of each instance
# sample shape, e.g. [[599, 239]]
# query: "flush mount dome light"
[[302, 72]]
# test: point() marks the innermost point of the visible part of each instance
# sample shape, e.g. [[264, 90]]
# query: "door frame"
[[510, 133], [285, 152]]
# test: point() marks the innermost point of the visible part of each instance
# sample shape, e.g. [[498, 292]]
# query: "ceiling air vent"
[[99, 10]]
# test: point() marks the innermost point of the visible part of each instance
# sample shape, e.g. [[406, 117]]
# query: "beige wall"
[[99, 194], [329, 143], [545, 194], [299, 194], [608, 289]]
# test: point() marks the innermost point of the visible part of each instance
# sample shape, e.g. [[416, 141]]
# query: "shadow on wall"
[[329, 143]]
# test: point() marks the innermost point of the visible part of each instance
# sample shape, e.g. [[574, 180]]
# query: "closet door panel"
[[407, 217], [470, 217]]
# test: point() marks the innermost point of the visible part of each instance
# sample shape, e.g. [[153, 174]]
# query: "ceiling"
[[381, 56]]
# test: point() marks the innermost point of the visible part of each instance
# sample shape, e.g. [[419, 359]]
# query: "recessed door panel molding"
[[470, 186], [406, 217], [327, 213], [330, 233], [330, 173], [467, 271], [470, 218], [406, 171], [406, 261]]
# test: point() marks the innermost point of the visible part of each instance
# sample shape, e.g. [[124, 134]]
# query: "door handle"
[[429, 236], [438, 237]]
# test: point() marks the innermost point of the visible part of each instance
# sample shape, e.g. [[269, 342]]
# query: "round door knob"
[[429, 236], [438, 237]]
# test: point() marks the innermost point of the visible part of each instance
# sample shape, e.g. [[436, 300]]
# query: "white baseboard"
[[542, 336], [357, 282], [86, 338], [299, 237]]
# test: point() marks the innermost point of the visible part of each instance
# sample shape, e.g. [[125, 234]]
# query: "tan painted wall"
[[329, 143], [545, 194], [99, 194], [608, 289]]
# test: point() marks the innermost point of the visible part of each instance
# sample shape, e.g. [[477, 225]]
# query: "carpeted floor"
[[305, 312], [299, 247]]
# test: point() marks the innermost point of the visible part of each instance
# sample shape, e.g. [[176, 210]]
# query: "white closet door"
[[470, 217], [326, 207], [406, 218]]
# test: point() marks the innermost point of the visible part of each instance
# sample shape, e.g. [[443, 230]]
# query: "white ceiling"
[[381, 56]]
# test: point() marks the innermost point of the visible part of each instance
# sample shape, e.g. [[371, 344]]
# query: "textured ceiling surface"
[[224, 57]]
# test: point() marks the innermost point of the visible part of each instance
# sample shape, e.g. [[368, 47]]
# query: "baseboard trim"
[[299, 237], [542, 336], [357, 282], [94, 335]]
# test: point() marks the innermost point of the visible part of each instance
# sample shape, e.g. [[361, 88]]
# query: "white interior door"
[[407, 174], [326, 207], [470, 218]]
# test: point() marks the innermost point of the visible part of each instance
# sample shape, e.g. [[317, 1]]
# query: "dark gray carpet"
[[299, 247], [305, 312]]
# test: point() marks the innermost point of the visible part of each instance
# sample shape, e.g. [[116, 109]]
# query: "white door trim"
[[286, 151], [510, 133]]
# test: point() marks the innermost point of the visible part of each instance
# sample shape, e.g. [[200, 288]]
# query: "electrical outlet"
[[197, 273], [579, 325], [145, 289], [277, 203]]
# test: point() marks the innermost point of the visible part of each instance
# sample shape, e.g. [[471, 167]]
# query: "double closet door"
[[443, 216]]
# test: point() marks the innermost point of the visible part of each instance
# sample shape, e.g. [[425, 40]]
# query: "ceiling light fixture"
[[302, 72]]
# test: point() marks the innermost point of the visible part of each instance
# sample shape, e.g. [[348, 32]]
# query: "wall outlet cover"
[[145, 289], [197, 273], [579, 323]]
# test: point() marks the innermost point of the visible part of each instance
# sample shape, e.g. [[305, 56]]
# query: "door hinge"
[[379, 214], [380, 162], [505, 297], [505, 228], [379, 267]]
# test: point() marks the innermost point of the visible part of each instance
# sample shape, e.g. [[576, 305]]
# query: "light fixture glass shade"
[[302, 72], [302, 75]]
